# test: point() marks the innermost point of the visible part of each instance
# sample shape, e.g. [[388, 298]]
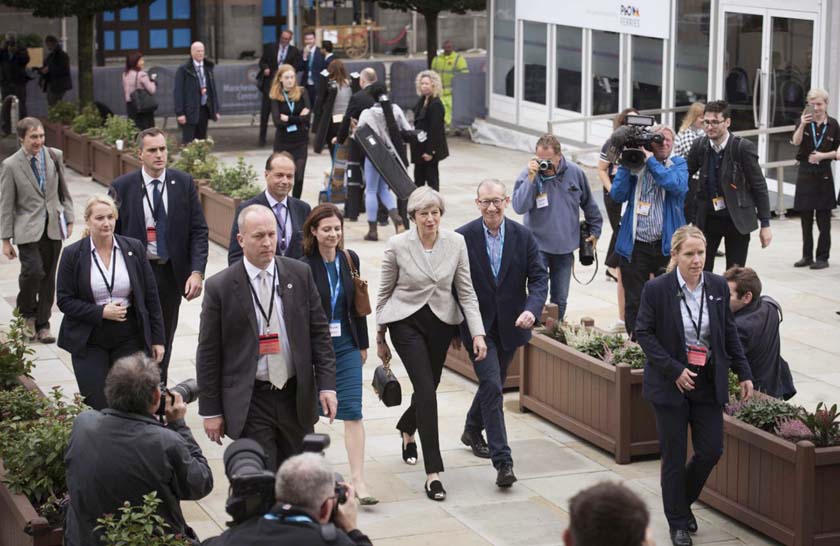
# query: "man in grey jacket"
[[123, 453]]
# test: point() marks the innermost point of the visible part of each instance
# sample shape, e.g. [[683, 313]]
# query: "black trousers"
[[265, 113], [824, 225], [38, 262], [170, 304], [422, 340], [299, 151], [142, 121], [614, 216], [197, 131], [719, 228], [273, 422], [108, 342], [426, 172], [647, 260], [682, 483]]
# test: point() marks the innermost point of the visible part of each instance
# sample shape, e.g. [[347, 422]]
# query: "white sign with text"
[[650, 18]]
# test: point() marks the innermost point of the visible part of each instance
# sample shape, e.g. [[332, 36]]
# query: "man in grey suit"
[[36, 211], [265, 357]]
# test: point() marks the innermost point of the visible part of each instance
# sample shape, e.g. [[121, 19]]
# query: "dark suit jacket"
[[318, 64], [748, 201], [358, 325], [75, 297], [228, 350], [660, 333], [359, 102], [187, 91], [523, 282], [758, 327], [187, 228], [269, 60], [299, 210], [57, 78], [431, 120]]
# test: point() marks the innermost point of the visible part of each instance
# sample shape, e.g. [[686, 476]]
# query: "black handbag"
[[387, 386], [144, 102]]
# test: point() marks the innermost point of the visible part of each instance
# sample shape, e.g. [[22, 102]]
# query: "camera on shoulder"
[[628, 141]]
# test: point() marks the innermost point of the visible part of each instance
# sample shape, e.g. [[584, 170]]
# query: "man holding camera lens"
[[312, 509], [123, 453], [549, 193], [655, 195]]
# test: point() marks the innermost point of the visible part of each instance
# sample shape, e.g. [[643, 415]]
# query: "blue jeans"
[[486, 411], [560, 276], [375, 186]]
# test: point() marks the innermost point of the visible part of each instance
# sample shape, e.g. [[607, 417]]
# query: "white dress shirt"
[[253, 277], [121, 291], [691, 300], [151, 248], [288, 227]]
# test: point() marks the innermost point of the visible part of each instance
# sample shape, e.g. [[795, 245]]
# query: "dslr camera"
[[545, 165], [628, 141], [187, 389], [318, 443]]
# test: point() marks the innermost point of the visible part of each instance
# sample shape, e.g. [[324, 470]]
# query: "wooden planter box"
[[20, 524], [219, 211], [459, 361], [599, 402], [53, 134], [77, 152], [789, 492], [129, 163], [104, 162]]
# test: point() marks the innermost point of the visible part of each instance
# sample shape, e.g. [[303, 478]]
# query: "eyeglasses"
[[713, 122], [485, 203]]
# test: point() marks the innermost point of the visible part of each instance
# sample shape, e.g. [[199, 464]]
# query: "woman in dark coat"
[[290, 112], [818, 138], [333, 97], [429, 114]]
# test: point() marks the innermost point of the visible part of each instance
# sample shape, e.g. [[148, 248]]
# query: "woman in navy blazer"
[[106, 290], [689, 336]]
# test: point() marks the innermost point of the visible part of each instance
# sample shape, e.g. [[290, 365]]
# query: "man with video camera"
[[654, 187], [124, 452], [312, 509]]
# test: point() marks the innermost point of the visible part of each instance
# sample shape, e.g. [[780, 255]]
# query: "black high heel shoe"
[[435, 490], [409, 451]]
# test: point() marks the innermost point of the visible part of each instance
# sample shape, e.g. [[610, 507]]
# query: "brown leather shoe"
[[45, 336]]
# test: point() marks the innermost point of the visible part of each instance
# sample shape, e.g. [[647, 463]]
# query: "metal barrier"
[[14, 113], [586, 119], [780, 181]]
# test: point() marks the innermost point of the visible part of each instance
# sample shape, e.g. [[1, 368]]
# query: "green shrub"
[[197, 159], [88, 122], [62, 112], [119, 128], [630, 354], [30, 40], [237, 181], [765, 412], [823, 422], [14, 354], [19, 404], [138, 526]]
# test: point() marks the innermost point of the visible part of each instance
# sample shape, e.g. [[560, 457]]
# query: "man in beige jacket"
[[36, 212]]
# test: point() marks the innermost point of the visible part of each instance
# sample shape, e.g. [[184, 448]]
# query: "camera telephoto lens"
[[187, 389], [244, 457]]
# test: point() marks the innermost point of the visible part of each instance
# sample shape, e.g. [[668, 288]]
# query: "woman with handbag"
[[416, 303], [290, 112], [336, 274], [139, 89]]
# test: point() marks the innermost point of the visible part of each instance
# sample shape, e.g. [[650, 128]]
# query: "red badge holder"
[[151, 234], [697, 355], [269, 344]]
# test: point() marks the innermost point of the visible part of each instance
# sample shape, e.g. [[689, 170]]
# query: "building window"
[[569, 56], [647, 73], [160, 27], [606, 52], [534, 53], [275, 13], [504, 47], [691, 62]]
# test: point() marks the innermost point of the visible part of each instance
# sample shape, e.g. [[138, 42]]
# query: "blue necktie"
[[160, 221], [33, 161], [202, 83], [279, 210]]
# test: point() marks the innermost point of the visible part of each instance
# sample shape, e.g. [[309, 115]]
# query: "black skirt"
[[814, 188]]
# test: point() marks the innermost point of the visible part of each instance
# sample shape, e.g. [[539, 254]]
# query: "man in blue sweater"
[[550, 194], [655, 195]]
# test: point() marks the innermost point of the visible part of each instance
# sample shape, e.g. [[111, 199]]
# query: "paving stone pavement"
[[551, 464]]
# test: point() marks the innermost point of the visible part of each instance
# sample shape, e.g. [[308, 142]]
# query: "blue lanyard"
[[495, 264], [290, 103], [293, 519], [817, 143], [334, 290]]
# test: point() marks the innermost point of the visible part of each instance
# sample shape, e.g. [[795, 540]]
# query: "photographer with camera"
[[549, 193], [654, 185], [312, 509], [124, 452]]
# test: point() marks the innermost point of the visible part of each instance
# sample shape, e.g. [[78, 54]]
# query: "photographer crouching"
[[125, 452], [313, 506], [654, 185]]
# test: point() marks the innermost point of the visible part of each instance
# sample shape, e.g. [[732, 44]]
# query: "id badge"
[[718, 203], [269, 344], [542, 200], [335, 328], [696, 355], [337, 118], [643, 208], [291, 128], [151, 234]]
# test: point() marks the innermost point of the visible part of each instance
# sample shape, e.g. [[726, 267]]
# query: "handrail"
[[598, 117], [14, 113]]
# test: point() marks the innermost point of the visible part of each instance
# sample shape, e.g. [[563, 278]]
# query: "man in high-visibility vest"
[[447, 65]]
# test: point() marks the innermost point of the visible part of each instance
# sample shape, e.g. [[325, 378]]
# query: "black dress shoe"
[[804, 262], [409, 451], [475, 441], [692, 524], [505, 477], [819, 264], [680, 537], [435, 490]]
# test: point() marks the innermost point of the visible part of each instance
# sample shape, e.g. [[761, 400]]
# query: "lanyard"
[[265, 316], [699, 322], [495, 265], [334, 290], [158, 202], [817, 143], [290, 103], [281, 224], [109, 287]]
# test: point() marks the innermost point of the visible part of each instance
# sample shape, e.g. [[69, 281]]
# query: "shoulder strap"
[[776, 305], [62, 185], [353, 271]]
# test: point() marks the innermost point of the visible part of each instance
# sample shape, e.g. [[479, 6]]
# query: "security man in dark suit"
[[290, 212], [686, 372], [511, 283], [273, 56], [160, 207], [265, 356]]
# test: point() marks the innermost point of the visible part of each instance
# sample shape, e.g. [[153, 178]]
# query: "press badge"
[[718, 203], [151, 234], [335, 328], [542, 200], [643, 208], [337, 118], [696, 355], [269, 344], [291, 128]]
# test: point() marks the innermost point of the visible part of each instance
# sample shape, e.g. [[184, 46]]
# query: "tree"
[[430, 9], [85, 12]]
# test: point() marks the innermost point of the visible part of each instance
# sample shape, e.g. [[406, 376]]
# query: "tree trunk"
[[431, 18], [85, 48]]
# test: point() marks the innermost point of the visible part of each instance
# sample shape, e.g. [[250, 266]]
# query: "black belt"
[[158, 261], [260, 385]]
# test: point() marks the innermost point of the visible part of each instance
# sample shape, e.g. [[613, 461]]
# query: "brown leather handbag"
[[361, 302]]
